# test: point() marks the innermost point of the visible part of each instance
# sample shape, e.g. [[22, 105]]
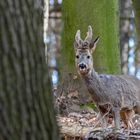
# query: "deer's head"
[[83, 52]]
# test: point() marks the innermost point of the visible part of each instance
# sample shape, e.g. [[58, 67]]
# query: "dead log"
[[71, 129]]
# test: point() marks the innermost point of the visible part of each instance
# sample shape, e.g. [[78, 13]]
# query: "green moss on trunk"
[[137, 22], [137, 16], [102, 15]]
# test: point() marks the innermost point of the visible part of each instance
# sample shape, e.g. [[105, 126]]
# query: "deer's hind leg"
[[137, 108], [116, 114]]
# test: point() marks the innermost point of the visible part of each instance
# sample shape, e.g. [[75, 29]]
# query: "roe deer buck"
[[115, 94]]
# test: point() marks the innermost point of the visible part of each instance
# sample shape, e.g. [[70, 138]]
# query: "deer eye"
[[77, 56], [88, 56]]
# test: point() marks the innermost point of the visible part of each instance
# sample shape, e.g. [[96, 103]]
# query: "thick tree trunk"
[[102, 15], [26, 110]]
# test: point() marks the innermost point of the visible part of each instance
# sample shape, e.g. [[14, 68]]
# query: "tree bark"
[[26, 109], [103, 17], [137, 16], [137, 22]]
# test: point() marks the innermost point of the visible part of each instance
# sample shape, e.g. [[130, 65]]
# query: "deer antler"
[[89, 34], [86, 43]]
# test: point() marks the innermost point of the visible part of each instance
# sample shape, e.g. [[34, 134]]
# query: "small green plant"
[[88, 105]]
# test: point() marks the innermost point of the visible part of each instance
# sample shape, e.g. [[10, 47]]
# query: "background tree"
[[137, 22], [137, 17], [103, 17], [26, 109]]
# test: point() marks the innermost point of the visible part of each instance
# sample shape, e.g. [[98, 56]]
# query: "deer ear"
[[93, 44]]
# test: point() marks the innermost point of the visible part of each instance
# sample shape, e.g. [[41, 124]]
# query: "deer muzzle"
[[83, 68]]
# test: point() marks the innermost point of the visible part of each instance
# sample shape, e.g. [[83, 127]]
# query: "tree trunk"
[[103, 17], [26, 109], [137, 16], [137, 22]]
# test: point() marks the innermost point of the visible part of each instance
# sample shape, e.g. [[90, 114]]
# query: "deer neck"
[[93, 75], [94, 85]]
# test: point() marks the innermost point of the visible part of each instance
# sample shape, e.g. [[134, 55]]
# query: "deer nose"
[[82, 66]]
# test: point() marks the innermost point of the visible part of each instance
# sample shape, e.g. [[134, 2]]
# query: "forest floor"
[[79, 121]]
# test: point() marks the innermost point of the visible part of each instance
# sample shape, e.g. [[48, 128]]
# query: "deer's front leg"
[[116, 112]]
